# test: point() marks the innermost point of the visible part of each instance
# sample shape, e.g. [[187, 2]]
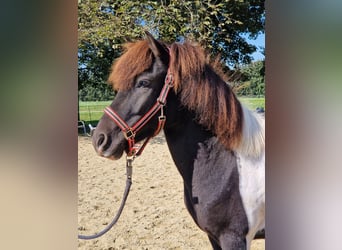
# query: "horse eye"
[[142, 83]]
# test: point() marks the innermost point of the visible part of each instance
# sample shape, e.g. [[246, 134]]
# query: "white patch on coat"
[[253, 134], [251, 166], [252, 191]]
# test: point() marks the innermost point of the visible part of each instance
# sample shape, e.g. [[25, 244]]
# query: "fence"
[[91, 112]]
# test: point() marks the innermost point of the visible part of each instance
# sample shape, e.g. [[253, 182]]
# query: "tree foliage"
[[93, 67], [252, 82], [219, 26]]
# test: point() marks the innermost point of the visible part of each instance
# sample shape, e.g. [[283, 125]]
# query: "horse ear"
[[159, 50]]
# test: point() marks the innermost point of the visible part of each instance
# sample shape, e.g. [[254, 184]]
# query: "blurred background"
[[40, 93]]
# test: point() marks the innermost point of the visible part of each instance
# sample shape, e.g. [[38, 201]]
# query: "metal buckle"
[[162, 118], [169, 80], [128, 134], [161, 102]]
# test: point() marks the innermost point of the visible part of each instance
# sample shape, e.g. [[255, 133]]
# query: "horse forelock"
[[137, 58]]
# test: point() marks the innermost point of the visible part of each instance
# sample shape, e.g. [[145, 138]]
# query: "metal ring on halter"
[[169, 79], [128, 134]]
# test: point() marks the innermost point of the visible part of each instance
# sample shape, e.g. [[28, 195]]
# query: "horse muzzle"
[[106, 147]]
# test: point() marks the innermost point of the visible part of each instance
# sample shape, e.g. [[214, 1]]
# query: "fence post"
[[89, 112]]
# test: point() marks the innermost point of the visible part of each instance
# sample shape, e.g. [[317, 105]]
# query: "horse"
[[217, 144]]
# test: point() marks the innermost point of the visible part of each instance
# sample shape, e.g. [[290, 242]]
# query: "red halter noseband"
[[130, 132]]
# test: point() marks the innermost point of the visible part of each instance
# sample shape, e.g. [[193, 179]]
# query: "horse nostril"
[[102, 142], [102, 138]]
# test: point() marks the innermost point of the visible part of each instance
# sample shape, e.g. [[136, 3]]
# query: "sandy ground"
[[154, 217]]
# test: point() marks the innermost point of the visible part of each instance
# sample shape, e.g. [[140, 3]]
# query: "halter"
[[130, 132], [133, 149]]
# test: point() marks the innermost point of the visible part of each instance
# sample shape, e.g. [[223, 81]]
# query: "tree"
[[93, 68], [252, 82], [217, 25]]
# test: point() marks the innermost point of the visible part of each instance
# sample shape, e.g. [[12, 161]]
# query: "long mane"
[[204, 92], [201, 90]]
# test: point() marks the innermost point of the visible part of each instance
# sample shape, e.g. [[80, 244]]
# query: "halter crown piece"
[[130, 132]]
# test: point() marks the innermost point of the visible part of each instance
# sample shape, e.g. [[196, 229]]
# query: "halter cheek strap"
[[130, 132]]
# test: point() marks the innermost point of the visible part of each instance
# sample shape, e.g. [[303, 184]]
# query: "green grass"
[[253, 102], [91, 112]]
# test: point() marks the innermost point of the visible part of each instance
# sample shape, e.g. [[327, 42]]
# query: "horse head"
[[138, 76]]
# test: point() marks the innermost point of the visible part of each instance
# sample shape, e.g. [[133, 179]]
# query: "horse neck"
[[183, 136]]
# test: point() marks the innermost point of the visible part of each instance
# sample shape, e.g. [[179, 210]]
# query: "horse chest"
[[215, 192]]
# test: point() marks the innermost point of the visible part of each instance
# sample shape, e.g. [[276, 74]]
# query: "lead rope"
[[129, 171]]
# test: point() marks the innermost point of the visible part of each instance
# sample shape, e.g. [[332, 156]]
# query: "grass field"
[[253, 102], [91, 112]]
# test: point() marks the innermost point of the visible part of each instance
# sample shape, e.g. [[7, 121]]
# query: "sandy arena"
[[154, 217]]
